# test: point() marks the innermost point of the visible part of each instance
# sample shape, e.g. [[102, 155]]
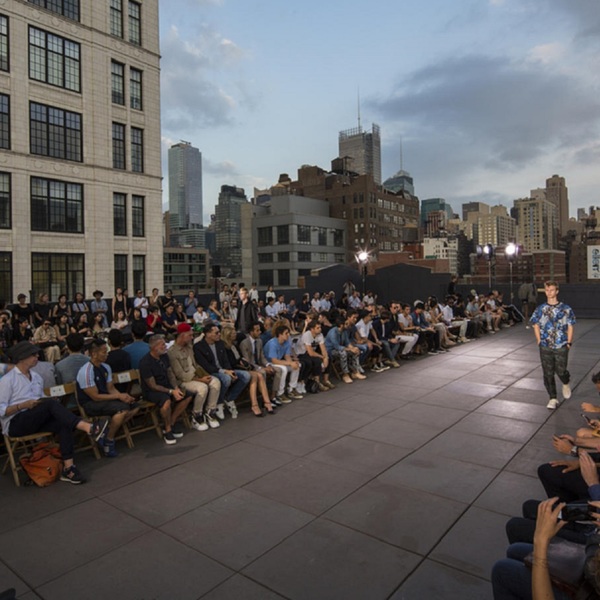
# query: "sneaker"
[[329, 384], [376, 369], [220, 412], [552, 404], [301, 388], [110, 449], [566, 390], [358, 375], [322, 387], [232, 408], [169, 438], [211, 420], [465, 340], [346, 378], [198, 423], [276, 401], [294, 395], [98, 429], [176, 430], [283, 399], [433, 352], [395, 364], [72, 475], [383, 367]]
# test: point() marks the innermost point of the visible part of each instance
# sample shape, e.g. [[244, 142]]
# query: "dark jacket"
[[206, 359], [247, 313]]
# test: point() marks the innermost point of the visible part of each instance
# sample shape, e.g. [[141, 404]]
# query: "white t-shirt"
[[307, 339]]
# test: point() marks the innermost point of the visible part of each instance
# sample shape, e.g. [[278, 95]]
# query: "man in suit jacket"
[[211, 355], [251, 349]]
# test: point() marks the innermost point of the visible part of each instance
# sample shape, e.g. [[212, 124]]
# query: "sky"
[[487, 98]]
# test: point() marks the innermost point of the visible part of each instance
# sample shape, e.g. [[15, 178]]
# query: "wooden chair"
[[22, 445], [147, 417], [65, 393]]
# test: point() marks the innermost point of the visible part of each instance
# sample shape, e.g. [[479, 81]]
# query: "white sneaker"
[[198, 423], [232, 408], [552, 404], [566, 390], [220, 412], [300, 388], [211, 421]]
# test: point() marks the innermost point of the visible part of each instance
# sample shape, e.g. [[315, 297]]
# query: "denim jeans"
[[231, 388]]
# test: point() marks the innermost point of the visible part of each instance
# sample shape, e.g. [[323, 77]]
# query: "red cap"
[[183, 327]]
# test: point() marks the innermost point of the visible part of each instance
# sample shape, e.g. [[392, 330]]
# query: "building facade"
[[537, 224], [228, 230], [364, 148], [558, 194], [80, 174], [185, 269]]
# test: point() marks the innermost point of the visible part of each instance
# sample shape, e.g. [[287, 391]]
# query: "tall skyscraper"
[[364, 148], [537, 224], [402, 180], [228, 227], [81, 200], [185, 187], [558, 194]]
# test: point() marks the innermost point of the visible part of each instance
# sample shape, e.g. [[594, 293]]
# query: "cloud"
[[193, 95], [225, 168], [547, 53], [502, 112]]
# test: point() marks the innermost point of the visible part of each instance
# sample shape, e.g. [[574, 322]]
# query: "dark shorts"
[[107, 409], [158, 398]]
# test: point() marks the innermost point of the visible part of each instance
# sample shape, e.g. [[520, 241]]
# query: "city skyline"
[[489, 97]]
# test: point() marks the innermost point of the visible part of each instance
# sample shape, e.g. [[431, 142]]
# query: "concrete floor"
[[397, 487]]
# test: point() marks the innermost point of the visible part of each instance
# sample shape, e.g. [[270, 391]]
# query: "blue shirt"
[[553, 321], [137, 351], [273, 349]]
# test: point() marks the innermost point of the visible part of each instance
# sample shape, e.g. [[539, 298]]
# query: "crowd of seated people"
[[203, 361], [554, 547]]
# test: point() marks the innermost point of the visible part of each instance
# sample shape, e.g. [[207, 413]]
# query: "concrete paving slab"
[[508, 491], [399, 433], [240, 587]]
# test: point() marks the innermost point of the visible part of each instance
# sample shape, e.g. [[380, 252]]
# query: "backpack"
[[43, 465]]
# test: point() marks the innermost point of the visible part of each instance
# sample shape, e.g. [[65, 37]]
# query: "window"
[[137, 216], [139, 272], [137, 150], [339, 258], [117, 82], [56, 274], [119, 214], [120, 271], [135, 23], [283, 276], [135, 89], [5, 207], [54, 60], [321, 257], [118, 143], [55, 132], [283, 234], [338, 237], [56, 206], [116, 18], [304, 234], [66, 8], [4, 122], [3, 43], [265, 237], [322, 236], [265, 277], [6, 276], [265, 257], [304, 257], [283, 257]]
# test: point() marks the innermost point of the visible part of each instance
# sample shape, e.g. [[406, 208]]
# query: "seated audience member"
[[6, 333], [139, 348], [278, 352], [425, 330], [233, 310], [312, 354], [42, 310], [62, 330], [214, 314], [22, 310], [79, 305], [384, 328], [404, 329], [226, 313], [200, 316], [281, 310], [120, 321], [119, 303], [169, 321], [118, 360], [270, 293], [337, 343], [267, 333], [251, 349], [81, 325], [224, 294], [62, 308], [167, 300], [24, 411], [22, 332], [192, 379], [247, 311], [354, 300], [69, 366], [190, 304], [46, 371], [99, 305], [270, 310], [180, 316], [452, 321], [154, 320], [153, 299], [495, 313], [366, 341], [45, 337], [99, 397], [97, 326], [257, 382], [159, 385], [433, 315], [211, 355]]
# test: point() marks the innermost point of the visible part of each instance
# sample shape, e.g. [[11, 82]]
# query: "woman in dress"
[[62, 308]]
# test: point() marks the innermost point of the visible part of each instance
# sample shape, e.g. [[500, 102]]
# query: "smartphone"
[[587, 420], [577, 511]]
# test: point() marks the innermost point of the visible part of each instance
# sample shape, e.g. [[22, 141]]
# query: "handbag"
[[43, 465], [566, 561]]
